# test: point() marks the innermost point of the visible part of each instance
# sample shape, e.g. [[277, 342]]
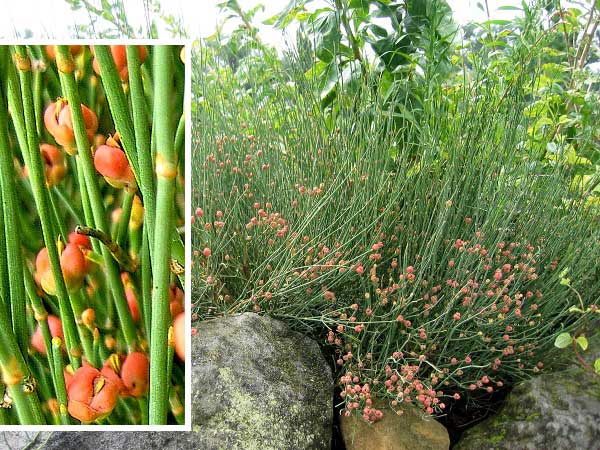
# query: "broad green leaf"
[[271, 20], [288, 14], [329, 79], [543, 122], [254, 10], [496, 44], [378, 31], [497, 22], [303, 16], [326, 30], [564, 119], [582, 342], [563, 277], [359, 4], [316, 70], [563, 340]]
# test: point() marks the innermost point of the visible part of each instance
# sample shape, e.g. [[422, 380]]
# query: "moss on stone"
[[497, 438], [250, 418], [259, 422]]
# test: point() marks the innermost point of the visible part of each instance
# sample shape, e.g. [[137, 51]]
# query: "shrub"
[[434, 260]]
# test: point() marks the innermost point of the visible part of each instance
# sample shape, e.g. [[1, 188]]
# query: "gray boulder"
[[18, 440], [255, 385], [554, 411], [105, 440], [258, 385]]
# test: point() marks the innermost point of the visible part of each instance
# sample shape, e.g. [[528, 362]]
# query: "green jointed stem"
[[40, 193], [14, 372], [67, 204], [37, 101], [177, 408], [141, 115], [146, 286], [118, 104], [84, 158], [140, 121], [15, 108], [180, 141], [14, 366], [87, 208], [44, 386], [143, 402], [93, 92], [39, 311], [97, 344], [147, 83], [13, 247], [78, 300], [135, 242], [59, 223], [41, 317], [59, 381], [4, 283], [11, 228], [142, 139], [125, 216], [166, 171]]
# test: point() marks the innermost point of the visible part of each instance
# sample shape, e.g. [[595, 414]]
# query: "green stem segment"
[[142, 138], [123, 224], [14, 367], [84, 158], [11, 231], [166, 172], [118, 104], [59, 380], [42, 200]]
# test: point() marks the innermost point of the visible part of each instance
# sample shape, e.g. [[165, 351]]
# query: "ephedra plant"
[[435, 257], [91, 267]]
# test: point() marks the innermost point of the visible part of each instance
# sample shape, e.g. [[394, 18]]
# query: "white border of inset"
[[187, 103]]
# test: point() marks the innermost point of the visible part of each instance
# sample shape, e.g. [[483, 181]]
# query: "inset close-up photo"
[[92, 310]]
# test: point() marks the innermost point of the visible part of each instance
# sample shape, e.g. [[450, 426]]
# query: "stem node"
[[165, 168], [23, 63]]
